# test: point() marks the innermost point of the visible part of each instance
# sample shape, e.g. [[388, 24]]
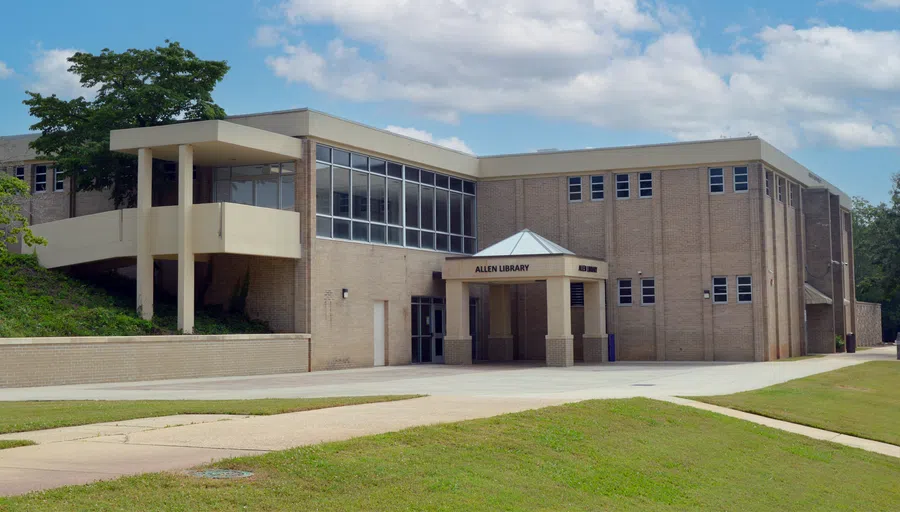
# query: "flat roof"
[[353, 135]]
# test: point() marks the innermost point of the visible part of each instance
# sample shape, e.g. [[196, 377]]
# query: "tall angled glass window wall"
[[367, 199], [269, 186]]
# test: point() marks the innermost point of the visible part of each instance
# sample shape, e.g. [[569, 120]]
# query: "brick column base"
[[560, 351], [458, 350], [596, 349], [500, 348]]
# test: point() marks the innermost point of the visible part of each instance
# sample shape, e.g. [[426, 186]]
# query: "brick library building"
[[386, 250]]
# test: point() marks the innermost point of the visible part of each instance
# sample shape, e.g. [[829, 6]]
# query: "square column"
[[185, 239], [144, 257], [596, 340], [457, 342], [500, 339], [559, 340]]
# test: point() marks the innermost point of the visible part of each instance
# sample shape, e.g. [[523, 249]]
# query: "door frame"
[[438, 333]]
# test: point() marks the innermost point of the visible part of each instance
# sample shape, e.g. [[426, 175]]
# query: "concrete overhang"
[[214, 142]]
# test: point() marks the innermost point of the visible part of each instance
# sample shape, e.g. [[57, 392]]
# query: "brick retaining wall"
[[26, 362]]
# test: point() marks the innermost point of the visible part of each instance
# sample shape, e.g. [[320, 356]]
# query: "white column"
[[559, 340], [144, 257], [185, 239], [457, 342]]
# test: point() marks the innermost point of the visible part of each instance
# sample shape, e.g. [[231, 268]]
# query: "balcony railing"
[[217, 228]]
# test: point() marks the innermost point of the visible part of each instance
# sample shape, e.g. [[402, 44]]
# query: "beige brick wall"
[[61, 361], [868, 324], [682, 236], [344, 335], [270, 295]]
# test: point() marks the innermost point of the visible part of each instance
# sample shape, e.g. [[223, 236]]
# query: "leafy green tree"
[[876, 246], [135, 88], [13, 223]]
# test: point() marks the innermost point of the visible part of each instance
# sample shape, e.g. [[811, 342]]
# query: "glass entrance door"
[[437, 321], [428, 329]]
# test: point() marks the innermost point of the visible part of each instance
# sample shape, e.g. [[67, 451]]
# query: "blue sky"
[[819, 79]]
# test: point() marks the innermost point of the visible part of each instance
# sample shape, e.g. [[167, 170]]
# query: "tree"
[[12, 222], [135, 88], [876, 239]]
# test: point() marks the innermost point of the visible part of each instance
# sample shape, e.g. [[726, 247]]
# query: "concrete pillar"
[[500, 339], [596, 340], [458, 342], [559, 339], [185, 239], [144, 257]]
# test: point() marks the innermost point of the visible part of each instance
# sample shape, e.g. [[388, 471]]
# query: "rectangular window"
[[20, 173], [741, 180], [577, 294], [360, 199], [790, 187], [623, 186], [574, 189], [323, 189], [377, 199], [780, 189], [341, 193], [59, 180], [768, 183], [645, 184], [745, 289], [716, 181], [442, 211], [394, 203], [596, 188], [412, 205], [625, 298], [648, 291], [40, 178], [456, 214], [720, 290]]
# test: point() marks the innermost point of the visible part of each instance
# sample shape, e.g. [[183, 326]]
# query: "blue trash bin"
[[612, 348]]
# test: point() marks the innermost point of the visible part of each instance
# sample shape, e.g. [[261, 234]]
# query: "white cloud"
[[414, 133], [5, 71], [52, 76], [881, 5], [623, 64], [268, 36]]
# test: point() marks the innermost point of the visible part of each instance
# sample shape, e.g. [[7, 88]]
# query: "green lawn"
[[27, 416], [862, 400], [35, 302], [14, 443], [635, 454]]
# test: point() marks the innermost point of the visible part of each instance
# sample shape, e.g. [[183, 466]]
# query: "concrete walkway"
[[815, 433], [79, 455]]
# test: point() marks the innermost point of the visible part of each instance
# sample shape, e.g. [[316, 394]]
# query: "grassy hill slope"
[[35, 301]]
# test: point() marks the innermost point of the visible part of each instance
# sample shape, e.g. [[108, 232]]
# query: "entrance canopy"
[[525, 257]]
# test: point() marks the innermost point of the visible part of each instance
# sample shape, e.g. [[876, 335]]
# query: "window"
[[790, 187], [716, 181], [625, 292], [577, 294], [40, 178], [741, 181], [574, 189], [623, 186], [59, 180], [596, 188], [267, 186], [368, 199], [745, 289], [720, 290], [645, 184], [648, 291], [20, 173], [768, 183], [780, 189]]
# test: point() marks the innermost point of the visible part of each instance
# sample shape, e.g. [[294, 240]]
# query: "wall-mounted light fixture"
[[345, 293], [705, 294]]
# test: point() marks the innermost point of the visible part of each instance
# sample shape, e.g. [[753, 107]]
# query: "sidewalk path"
[[72, 455], [815, 433]]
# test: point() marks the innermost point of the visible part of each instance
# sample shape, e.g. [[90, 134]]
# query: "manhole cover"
[[644, 385], [221, 474]]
